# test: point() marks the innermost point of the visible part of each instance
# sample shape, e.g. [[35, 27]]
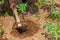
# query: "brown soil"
[[31, 29], [34, 30], [3, 38]]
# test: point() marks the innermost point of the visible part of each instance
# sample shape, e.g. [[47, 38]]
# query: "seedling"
[[48, 25], [29, 20], [1, 31], [54, 13], [5, 8], [2, 13], [37, 15], [53, 9], [53, 29], [40, 3], [21, 7], [45, 0], [9, 12]]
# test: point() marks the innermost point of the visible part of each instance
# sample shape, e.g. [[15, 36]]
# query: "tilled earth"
[[34, 31]]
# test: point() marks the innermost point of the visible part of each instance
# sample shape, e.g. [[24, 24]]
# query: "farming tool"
[[20, 27]]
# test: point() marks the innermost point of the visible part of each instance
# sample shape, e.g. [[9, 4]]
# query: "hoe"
[[20, 27]]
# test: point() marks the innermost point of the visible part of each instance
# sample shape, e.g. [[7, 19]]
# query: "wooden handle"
[[16, 15], [13, 8], [17, 18]]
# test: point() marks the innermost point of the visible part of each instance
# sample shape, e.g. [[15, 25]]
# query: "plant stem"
[[52, 2], [56, 37]]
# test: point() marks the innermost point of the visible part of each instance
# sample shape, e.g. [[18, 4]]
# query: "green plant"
[[45, 0], [29, 20], [4, 7], [9, 12], [2, 13], [1, 31], [53, 29], [21, 7], [37, 15], [40, 3], [54, 13], [1, 2], [53, 9], [48, 25]]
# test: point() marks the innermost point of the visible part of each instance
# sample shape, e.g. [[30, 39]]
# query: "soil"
[[34, 29], [3, 38], [31, 29]]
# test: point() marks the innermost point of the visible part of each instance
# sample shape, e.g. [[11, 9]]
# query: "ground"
[[7, 23]]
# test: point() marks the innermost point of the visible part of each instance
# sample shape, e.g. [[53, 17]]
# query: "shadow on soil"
[[31, 29]]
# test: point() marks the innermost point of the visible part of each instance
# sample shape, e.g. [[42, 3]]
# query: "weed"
[[29, 20], [49, 26], [40, 3], [53, 29], [21, 7], [54, 13], [2, 13], [37, 15], [53, 9], [1, 31], [45, 0]]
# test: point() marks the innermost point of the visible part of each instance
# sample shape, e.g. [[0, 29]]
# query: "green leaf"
[[2, 13], [55, 31], [58, 28], [46, 0], [39, 4], [9, 12], [49, 26], [53, 9], [21, 7], [52, 2], [1, 30], [29, 20], [53, 34], [45, 25], [37, 15]]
